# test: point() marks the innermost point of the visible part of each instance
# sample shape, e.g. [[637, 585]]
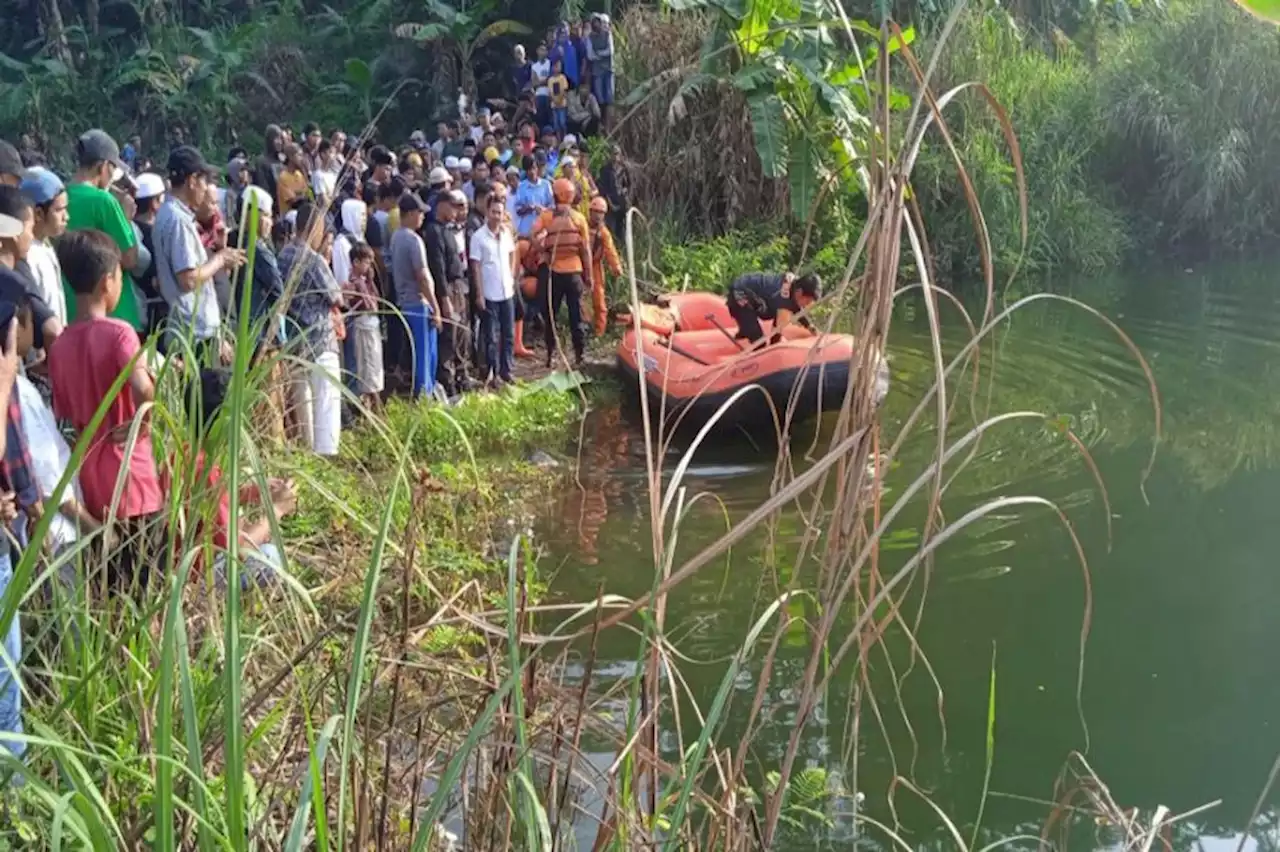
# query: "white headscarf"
[[353, 215]]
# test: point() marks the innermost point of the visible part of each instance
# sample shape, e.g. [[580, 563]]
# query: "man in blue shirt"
[[532, 196]]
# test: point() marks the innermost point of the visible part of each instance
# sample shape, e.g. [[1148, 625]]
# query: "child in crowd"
[[558, 85], [260, 557], [361, 294], [84, 363], [291, 185]]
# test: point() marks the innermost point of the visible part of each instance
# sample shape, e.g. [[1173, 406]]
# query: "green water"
[[1179, 697]]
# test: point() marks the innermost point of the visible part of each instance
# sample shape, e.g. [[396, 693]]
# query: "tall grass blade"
[[991, 750], [364, 625], [315, 770]]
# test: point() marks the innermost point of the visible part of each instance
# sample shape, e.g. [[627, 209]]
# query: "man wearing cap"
[[48, 197], [449, 275], [439, 180], [415, 292], [453, 166], [464, 179], [90, 205], [149, 196], [418, 140], [184, 269], [11, 167]]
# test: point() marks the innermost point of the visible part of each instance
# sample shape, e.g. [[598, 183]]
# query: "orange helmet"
[[599, 204], [563, 190]]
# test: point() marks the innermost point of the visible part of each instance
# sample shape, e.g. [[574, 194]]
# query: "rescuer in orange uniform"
[[603, 254], [562, 237]]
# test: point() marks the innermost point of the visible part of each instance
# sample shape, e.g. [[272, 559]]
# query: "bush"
[[1053, 106], [1191, 107]]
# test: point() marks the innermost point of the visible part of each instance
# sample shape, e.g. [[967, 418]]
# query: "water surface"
[[1179, 696]]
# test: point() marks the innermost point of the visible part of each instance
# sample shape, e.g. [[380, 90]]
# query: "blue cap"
[[41, 185]]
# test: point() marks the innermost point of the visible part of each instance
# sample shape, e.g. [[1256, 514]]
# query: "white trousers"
[[317, 403]]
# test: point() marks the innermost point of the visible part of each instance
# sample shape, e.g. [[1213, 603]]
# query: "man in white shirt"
[[49, 207], [493, 265]]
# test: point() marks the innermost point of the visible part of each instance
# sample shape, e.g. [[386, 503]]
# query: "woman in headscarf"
[[353, 217], [269, 167]]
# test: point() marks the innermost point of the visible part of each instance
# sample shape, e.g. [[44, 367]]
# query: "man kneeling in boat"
[[761, 295]]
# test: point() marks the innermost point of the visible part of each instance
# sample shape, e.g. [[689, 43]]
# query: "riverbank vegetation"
[[401, 679], [1123, 161]]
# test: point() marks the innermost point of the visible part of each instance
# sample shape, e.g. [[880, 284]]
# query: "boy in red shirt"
[[84, 362]]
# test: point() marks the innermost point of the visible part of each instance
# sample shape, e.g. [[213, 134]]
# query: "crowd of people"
[[370, 268]]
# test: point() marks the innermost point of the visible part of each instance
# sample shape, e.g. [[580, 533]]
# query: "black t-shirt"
[[766, 293], [147, 280], [20, 276]]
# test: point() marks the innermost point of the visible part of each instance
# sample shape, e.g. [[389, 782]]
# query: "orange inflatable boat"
[[690, 357]]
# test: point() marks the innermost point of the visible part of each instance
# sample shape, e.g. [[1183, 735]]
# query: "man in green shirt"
[[90, 205]]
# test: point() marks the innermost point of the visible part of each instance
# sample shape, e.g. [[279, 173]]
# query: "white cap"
[[261, 195], [438, 175], [464, 165], [451, 162], [150, 185], [569, 139]]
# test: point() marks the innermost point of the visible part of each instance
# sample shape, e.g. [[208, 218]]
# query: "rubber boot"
[[520, 350]]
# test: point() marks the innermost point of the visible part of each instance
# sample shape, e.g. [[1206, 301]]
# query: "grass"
[[405, 680]]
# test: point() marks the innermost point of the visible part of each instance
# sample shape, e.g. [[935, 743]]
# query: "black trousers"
[[745, 316], [564, 286]]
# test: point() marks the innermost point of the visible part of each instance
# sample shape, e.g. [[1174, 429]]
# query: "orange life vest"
[[563, 240]]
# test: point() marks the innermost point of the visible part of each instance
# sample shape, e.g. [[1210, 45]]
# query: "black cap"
[[410, 203], [10, 160], [97, 146], [185, 161]]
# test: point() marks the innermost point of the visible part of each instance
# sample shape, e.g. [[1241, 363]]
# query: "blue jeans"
[[560, 120], [425, 347], [10, 685], [500, 319], [544, 111], [602, 87]]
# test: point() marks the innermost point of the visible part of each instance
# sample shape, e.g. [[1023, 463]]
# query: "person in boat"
[[769, 296]]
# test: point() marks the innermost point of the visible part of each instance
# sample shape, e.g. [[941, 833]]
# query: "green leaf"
[[769, 128], [7, 61], [359, 75], [421, 32], [496, 30], [802, 172], [754, 76]]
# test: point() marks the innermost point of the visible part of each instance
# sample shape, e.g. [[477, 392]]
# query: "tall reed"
[[214, 719]]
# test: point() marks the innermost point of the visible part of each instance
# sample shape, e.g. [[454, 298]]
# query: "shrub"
[[1053, 107]]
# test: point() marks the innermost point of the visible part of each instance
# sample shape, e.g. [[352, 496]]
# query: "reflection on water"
[[1177, 694]]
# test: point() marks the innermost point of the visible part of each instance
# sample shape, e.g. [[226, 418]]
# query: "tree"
[[458, 34], [801, 66]]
